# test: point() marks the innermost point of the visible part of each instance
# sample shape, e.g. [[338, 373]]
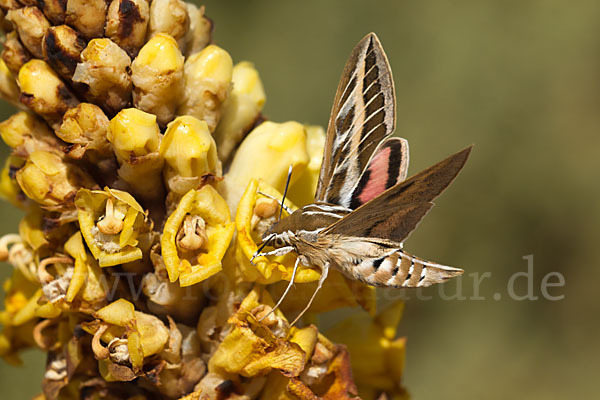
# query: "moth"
[[364, 206]]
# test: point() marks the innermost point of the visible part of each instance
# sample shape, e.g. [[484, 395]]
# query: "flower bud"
[[26, 133], [85, 127], [44, 93], [55, 10], [62, 47], [135, 137], [10, 4], [207, 82], [190, 154], [241, 110], [9, 90], [199, 34], [31, 25], [14, 53], [157, 75], [104, 67], [126, 24], [87, 16], [170, 17], [50, 181]]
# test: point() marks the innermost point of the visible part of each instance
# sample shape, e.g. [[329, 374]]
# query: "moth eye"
[[278, 241]]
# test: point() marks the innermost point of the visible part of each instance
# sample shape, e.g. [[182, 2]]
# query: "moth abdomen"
[[401, 270]]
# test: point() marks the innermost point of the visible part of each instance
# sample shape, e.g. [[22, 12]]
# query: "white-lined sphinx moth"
[[364, 207]]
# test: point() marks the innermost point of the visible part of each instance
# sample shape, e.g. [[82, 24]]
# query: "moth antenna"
[[286, 208], [287, 184], [319, 285], [286, 290]]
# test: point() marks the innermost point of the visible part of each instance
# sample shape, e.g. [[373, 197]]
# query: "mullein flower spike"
[[148, 177]]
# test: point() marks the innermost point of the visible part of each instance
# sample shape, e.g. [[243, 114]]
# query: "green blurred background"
[[520, 80]]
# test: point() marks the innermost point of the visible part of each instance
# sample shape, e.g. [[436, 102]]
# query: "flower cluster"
[[132, 262]]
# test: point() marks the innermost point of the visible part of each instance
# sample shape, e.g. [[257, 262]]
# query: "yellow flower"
[[241, 109], [196, 236], [254, 348], [9, 90], [303, 190], [254, 214], [131, 335], [111, 223], [13, 339], [21, 299], [378, 357], [267, 153]]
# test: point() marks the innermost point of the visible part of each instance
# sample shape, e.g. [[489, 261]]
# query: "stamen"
[[266, 208], [112, 223], [5, 241], [100, 352], [43, 275], [192, 235], [38, 337]]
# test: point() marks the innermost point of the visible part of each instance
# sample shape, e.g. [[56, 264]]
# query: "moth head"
[[287, 224], [274, 239]]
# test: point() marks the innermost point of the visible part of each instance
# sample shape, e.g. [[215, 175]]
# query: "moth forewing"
[[396, 212], [362, 116]]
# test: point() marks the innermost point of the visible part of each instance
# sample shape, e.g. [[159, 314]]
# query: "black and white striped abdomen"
[[399, 269]]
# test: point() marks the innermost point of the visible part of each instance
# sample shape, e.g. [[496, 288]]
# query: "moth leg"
[[277, 252], [319, 285], [286, 290], [286, 208]]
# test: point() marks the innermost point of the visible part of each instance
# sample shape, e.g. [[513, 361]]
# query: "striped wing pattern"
[[363, 116]]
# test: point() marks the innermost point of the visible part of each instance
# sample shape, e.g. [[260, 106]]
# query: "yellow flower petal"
[[267, 153], [378, 359], [120, 313]]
